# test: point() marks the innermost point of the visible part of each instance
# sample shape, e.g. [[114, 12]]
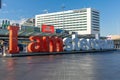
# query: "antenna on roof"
[[45, 11], [63, 6]]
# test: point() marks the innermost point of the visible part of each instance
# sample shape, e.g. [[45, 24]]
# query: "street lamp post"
[[63, 7]]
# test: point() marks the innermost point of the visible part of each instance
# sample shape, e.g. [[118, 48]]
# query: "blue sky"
[[17, 10]]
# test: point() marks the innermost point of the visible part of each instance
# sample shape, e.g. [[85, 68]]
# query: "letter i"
[[13, 39]]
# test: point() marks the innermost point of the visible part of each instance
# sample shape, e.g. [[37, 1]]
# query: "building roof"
[[114, 37], [5, 32]]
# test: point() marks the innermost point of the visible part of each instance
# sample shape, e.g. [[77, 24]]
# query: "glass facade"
[[95, 21]]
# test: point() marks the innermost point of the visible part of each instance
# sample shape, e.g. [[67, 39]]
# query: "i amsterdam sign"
[[56, 44]]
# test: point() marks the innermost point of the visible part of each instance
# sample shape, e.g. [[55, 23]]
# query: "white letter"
[[75, 41], [83, 44], [67, 44]]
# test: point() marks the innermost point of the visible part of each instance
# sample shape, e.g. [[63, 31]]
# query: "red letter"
[[13, 39], [35, 45], [59, 45], [55, 44], [45, 46], [52, 44]]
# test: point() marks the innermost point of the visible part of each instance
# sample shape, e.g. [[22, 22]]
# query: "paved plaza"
[[87, 66]]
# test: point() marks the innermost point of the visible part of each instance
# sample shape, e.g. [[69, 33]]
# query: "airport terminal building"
[[84, 21]]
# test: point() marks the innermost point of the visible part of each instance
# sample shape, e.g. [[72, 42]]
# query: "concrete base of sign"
[[54, 53]]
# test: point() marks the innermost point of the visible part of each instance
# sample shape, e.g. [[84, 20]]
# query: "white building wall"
[[89, 20], [73, 20]]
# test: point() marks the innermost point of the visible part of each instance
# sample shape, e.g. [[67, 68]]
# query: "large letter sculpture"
[[13, 39], [45, 44], [36, 44]]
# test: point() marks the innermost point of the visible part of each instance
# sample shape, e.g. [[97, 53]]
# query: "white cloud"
[[4, 12], [4, 4], [45, 11], [2, 20], [21, 21]]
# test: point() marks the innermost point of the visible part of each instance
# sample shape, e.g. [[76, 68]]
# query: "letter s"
[[68, 44]]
